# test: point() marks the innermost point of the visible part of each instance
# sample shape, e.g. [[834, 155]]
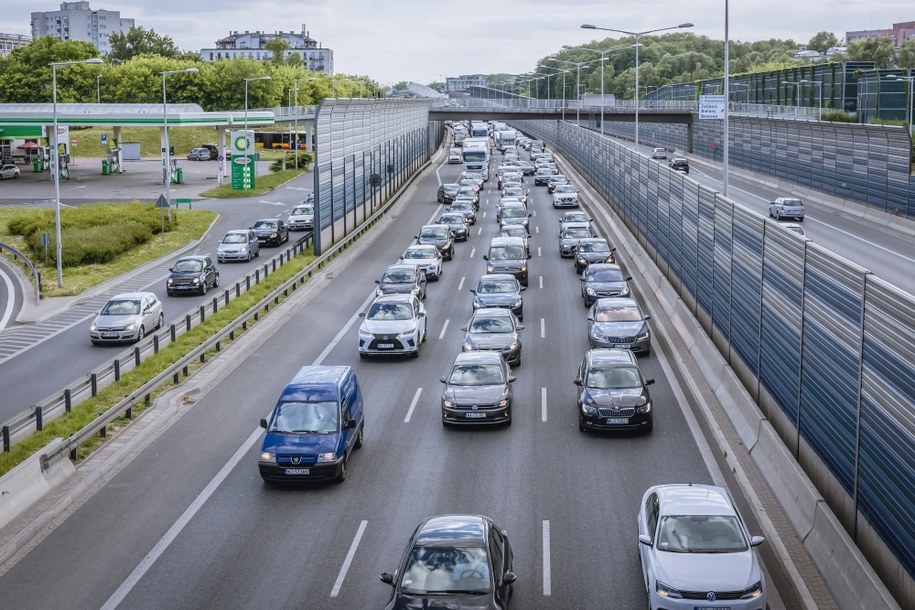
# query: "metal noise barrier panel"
[[827, 349], [366, 149]]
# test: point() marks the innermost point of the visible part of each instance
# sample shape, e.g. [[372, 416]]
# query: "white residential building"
[[8, 42], [252, 45], [76, 21]]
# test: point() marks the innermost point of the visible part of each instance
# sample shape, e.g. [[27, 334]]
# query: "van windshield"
[[305, 418]]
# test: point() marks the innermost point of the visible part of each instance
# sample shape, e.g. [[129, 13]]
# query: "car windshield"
[[461, 205], [452, 220], [188, 266], [126, 307], [434, 234], [265, 224], [593, 246], [506, 253], [398, 276], [513, 231], [305, 417], [617, 314], [605, 275], [418, 253], [491, 325], [497, 287], [576, 233], [514, 212], [390, 311], [476, 374], [303, 209], [565, 188], [792, 202], [613, 378], [446, 570], [235, 238], [514, 192], [701, 534]]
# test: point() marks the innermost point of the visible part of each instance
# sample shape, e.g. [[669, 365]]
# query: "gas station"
[[25, 132]]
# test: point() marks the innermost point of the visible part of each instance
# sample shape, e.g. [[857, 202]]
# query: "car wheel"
[[161, 321], [360, 438], [203, 287], [141, 333], [216, 280], [258, 253], [342, 476], [581, 426]]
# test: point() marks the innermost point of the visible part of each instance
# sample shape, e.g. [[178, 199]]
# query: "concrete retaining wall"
[[27, 483]]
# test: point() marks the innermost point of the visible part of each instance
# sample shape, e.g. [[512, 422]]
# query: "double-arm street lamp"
[[55, 161], [819, 85], [589, 26], [908, 102], [578, 65], [603, 58]]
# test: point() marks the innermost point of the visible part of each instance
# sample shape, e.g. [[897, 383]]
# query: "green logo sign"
[[243, 174]]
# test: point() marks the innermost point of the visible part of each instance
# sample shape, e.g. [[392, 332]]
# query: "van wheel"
[[360, 438], [342, 476]]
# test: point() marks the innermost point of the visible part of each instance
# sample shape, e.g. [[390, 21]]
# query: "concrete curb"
[[850, 578]]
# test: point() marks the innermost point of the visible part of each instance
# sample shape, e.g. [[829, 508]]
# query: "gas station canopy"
[[123, 115]]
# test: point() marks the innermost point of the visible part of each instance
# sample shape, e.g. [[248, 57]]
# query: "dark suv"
[[613, 393], [194, 274]]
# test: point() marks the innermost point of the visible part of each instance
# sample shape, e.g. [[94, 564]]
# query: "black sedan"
[[593, 250], [603, 280], [271, 231], [447, 192], [613, 393], [458, 225], [454, 562], [478, 390]]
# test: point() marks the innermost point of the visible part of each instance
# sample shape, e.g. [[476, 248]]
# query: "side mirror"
[[485, 257], [387, 578], [647, 317], [581, 279], [473, 290], [351, 423], [590, 318], [443, 379], [520, 327], [757, 540], [529, 255], [263, 423], [649, 381], [628, 277], [511, 379], [644, 539], [362, 314], [377, 281], [508, 578], [464, 328], [577, 382], [172, 270]]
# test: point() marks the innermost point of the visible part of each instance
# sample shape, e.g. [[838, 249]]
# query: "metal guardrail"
[[174, 372], [27, 262]]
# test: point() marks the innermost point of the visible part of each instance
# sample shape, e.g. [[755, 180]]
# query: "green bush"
[[305, 159], [92, 234], [839, 117]]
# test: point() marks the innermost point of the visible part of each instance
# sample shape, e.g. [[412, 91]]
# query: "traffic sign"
[[711, 106], [162, 202], [104, 138]]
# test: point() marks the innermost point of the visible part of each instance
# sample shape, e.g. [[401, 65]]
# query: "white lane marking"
[[472, 252], [541, 282], [11, 294], [413, 404], [859, 238], [480, 231], [542, 328], [441, 335], [461, 283], [435, 214], [130, 582], [537, 229], [538, 251], [297, 188], [484, 214], [547, 585], [543, 405], [349, 559], [343, 331]]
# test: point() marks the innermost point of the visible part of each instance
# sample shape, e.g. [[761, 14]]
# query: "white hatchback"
[[696, 550], [126, 318]]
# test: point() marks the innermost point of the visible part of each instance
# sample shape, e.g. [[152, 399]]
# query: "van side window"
[[344, 409]]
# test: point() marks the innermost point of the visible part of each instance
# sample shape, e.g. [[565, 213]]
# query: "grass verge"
[[88, 410], [264, 183]]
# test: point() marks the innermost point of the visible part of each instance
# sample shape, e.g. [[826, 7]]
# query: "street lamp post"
[[797, 95], [168, 168], [908, 103], [98, 88], [603, 59], [248, 80], [589, 26], [55, 161], [819, 85], [578, 65]]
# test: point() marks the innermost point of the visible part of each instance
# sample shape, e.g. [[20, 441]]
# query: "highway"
[[188, 523]]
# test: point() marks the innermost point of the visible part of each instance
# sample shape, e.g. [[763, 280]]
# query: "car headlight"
[[447, 404], [407, 333], [752, 592], [130, 326], [490, 268], [644, 336], [590, 291], [667, 591], [93, 327], [513, 346], [169, 281], [588, 409], [243, 249], [645, 408], [523, 269], [502, 403], [267, 456], [196, 280], [273, 236], [378, 292], [581, 260], [467, 346], [624, 291], [327, 457], [364, 334]]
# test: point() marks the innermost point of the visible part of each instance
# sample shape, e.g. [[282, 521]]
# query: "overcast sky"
[[426, 40]]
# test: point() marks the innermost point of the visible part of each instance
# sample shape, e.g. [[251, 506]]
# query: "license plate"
[[475, 415], [617, 420], [712, 608], [292, 471], [109, 335], [385, 346], [621, 345]]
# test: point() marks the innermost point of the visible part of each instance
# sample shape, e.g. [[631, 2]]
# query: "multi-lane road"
[[188, 523]]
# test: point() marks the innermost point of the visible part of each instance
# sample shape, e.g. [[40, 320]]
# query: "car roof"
[[607, 356], [497, 276], [690, 499], [615, 303], [506, 241], [491, 312], [479, 357], [394, 298], [192, 257], [435, 225], [130, 295], [400, 267], [591, 240], [452, 530], [232, 231], [424, 247]]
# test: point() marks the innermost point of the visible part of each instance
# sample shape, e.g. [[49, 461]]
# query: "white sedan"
[[696, 550], [9, 171], [426, 257]]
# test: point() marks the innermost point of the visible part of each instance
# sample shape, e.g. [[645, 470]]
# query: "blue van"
[[316, 423]]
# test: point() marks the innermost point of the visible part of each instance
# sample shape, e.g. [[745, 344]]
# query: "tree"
[[823, 41], [140, 41], [278, 46], [906, 56], [25, 74], [878, 50]]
